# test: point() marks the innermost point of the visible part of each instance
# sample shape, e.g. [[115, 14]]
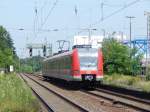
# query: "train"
[[81, 64]]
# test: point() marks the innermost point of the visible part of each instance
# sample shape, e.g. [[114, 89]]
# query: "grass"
[[125, 81], [15, 96]]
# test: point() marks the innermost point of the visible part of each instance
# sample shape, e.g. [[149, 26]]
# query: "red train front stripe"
[[75, 63]]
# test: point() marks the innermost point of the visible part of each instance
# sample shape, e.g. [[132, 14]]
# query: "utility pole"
[[148, 38], [35, 27], [102, 11], [104, 32], [130, 17], [90, 30]]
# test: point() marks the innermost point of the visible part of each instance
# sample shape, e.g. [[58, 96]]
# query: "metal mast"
[[148, 38], [130, 17], [148, 31]]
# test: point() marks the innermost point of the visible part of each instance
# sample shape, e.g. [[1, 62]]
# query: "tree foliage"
[[119, 58], [7, 50], [30, 65]]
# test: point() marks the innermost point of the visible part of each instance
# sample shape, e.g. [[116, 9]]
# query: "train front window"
[[88, 62], [88, 58]]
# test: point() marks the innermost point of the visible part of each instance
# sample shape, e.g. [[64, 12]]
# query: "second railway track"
[[118, 98]]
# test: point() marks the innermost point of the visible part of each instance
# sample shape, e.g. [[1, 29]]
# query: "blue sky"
[[15, 14]]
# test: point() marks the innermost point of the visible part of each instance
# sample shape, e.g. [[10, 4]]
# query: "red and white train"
[[79, 65]]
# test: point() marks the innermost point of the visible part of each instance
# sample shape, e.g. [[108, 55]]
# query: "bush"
[[148, 73], [127, 81], [119, 58], [148, 77], [26, 69], [143, 85], [15, 96]]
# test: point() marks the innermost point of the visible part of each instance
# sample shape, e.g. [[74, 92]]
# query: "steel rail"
[[49, 109], [121, 95], [115, 101], [60, 96]]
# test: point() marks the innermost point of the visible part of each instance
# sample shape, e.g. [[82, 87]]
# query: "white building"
[[95, 41]]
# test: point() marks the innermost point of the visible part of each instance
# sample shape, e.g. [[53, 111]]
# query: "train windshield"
[[88, 58]]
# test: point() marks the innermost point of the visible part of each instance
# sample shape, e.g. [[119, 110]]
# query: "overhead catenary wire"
[[41, 10], [106, 17], [113, 5], [35, 27], [40, 27], [49, 13], [110, 15], [115, 12]]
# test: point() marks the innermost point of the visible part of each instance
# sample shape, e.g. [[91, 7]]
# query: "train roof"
[[59, 55]]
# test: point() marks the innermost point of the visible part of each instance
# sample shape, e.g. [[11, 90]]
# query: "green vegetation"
[[122, 66], [126, 81], [15, 96], [148, 73], [30, 65], [7, 51], [119, 58]]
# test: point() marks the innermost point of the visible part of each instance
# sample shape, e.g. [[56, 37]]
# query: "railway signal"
[[30, 52], [40, 46], [44, 50]]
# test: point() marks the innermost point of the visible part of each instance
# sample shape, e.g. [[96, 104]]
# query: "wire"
[[118, 5], [112, 14], [50, 11], [115, 12], [41, 11], [45, 3]]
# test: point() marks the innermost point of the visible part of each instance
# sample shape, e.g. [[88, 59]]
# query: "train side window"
[[67, 63], [63, 63], [49, 64], [57, 64]]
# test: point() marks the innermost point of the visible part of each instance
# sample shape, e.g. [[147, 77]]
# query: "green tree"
[[7, 50], [119, 58], [33, 64]]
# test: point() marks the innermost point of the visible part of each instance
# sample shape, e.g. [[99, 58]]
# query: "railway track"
[[120, 98], [91, 96], [124, 96], [48, 108], [74, 107]]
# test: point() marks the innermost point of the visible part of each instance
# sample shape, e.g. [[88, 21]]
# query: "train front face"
[[87, 64]]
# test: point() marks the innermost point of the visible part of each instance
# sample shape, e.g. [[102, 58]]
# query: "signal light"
[[30, 52], [44, 50]]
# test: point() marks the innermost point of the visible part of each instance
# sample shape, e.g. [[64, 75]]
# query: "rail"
[[59, 95]]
